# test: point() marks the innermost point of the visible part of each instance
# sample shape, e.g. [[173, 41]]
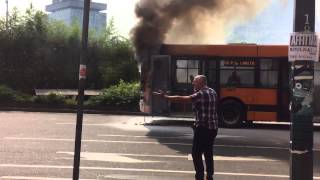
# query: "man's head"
[[199, 82]]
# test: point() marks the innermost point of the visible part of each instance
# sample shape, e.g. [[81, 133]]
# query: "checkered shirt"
[[204, 106]]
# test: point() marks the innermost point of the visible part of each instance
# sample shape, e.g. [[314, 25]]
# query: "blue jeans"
[[203, 140]]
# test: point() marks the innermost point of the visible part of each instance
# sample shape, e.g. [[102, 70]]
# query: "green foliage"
[[20, 49], [6, 94], [36, 52], [51, 99], [118, 95], [70, 102], [9, 95], [120, 62]]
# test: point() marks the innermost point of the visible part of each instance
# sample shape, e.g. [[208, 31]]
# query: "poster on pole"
[[303, 46]]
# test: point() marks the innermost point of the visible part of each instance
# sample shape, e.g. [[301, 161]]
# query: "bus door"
[[284, 90], [185, 68], [316, 91], [210, 68], [161, 80]]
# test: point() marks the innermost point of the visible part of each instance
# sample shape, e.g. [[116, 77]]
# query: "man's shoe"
[[209, 178]]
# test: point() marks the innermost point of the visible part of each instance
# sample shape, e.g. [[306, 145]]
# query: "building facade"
[[70, 11]]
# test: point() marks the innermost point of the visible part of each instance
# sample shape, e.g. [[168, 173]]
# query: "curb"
[[66, 110], [155, 120]]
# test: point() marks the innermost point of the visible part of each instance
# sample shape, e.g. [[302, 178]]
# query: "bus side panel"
[[251, 96], [262, 116], [211, 50], [261, 103]]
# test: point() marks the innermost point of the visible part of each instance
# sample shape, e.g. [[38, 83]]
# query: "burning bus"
[[251, 80]]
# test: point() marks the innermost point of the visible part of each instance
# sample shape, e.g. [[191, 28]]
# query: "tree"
[[36, 52], [119, 63]]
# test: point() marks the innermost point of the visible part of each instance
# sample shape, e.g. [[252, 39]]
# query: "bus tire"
[[232, 114]]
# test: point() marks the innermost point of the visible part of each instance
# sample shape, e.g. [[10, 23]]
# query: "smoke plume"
[[188, 21]]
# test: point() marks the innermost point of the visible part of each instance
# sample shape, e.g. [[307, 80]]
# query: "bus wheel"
[[232, 114]]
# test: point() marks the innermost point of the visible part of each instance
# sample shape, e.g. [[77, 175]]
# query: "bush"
[[70, 102], [36, 52], [9, 95], [123, 94], [51, 99], [6, 94]]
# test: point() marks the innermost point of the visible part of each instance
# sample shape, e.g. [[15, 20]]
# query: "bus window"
[[238, 73], [269, 73], [186, 70]]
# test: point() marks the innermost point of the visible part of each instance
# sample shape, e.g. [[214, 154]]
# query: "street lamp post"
[[301, 131], [82, 78]]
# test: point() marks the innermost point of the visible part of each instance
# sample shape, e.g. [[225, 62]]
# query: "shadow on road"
[[268, 141]]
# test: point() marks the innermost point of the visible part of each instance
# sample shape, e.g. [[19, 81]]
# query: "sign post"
[[82, 79], [303, 51], [7, 14]]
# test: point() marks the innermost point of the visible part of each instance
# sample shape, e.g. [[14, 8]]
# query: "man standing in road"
[[206, 125]]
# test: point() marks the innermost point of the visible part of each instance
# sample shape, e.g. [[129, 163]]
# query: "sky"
[[121, 10], [272, 26]]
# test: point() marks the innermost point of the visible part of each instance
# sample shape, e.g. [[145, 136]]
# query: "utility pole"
[[82, 78], [7, 14], [301, 107]]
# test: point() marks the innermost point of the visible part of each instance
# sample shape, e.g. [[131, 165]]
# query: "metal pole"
[[7, 14], [301, 131], [82, 78]]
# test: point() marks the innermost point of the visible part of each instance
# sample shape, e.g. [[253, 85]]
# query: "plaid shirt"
[[204, 106]]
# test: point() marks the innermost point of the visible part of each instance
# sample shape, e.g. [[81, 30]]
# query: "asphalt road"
[[40, 146]]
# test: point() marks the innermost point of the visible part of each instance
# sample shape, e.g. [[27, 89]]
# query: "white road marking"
[[113, 157], [145, 142], [84, 124], [136, 126], [225, 158], [34, 178], [108, 157], [95, 141], [134, 155], [139, 170], [187, 136], [124, 176], [228, 136], [251, 147], [158, 137]]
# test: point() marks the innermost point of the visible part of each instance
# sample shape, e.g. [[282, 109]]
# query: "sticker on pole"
[[83, 72], [303, 46]]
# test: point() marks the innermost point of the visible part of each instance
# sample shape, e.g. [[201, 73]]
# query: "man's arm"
[[177, 99]]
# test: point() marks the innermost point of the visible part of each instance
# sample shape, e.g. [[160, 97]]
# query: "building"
[[70, 11]]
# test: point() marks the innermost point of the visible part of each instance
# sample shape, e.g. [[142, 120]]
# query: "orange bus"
[[251, 80]]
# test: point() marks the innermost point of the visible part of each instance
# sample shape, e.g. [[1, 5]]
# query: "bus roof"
[[227, 50]]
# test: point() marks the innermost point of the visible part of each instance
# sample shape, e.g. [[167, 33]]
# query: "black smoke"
[[156, 19]]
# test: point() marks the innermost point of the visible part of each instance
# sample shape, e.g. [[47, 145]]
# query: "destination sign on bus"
[[243, 63]]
